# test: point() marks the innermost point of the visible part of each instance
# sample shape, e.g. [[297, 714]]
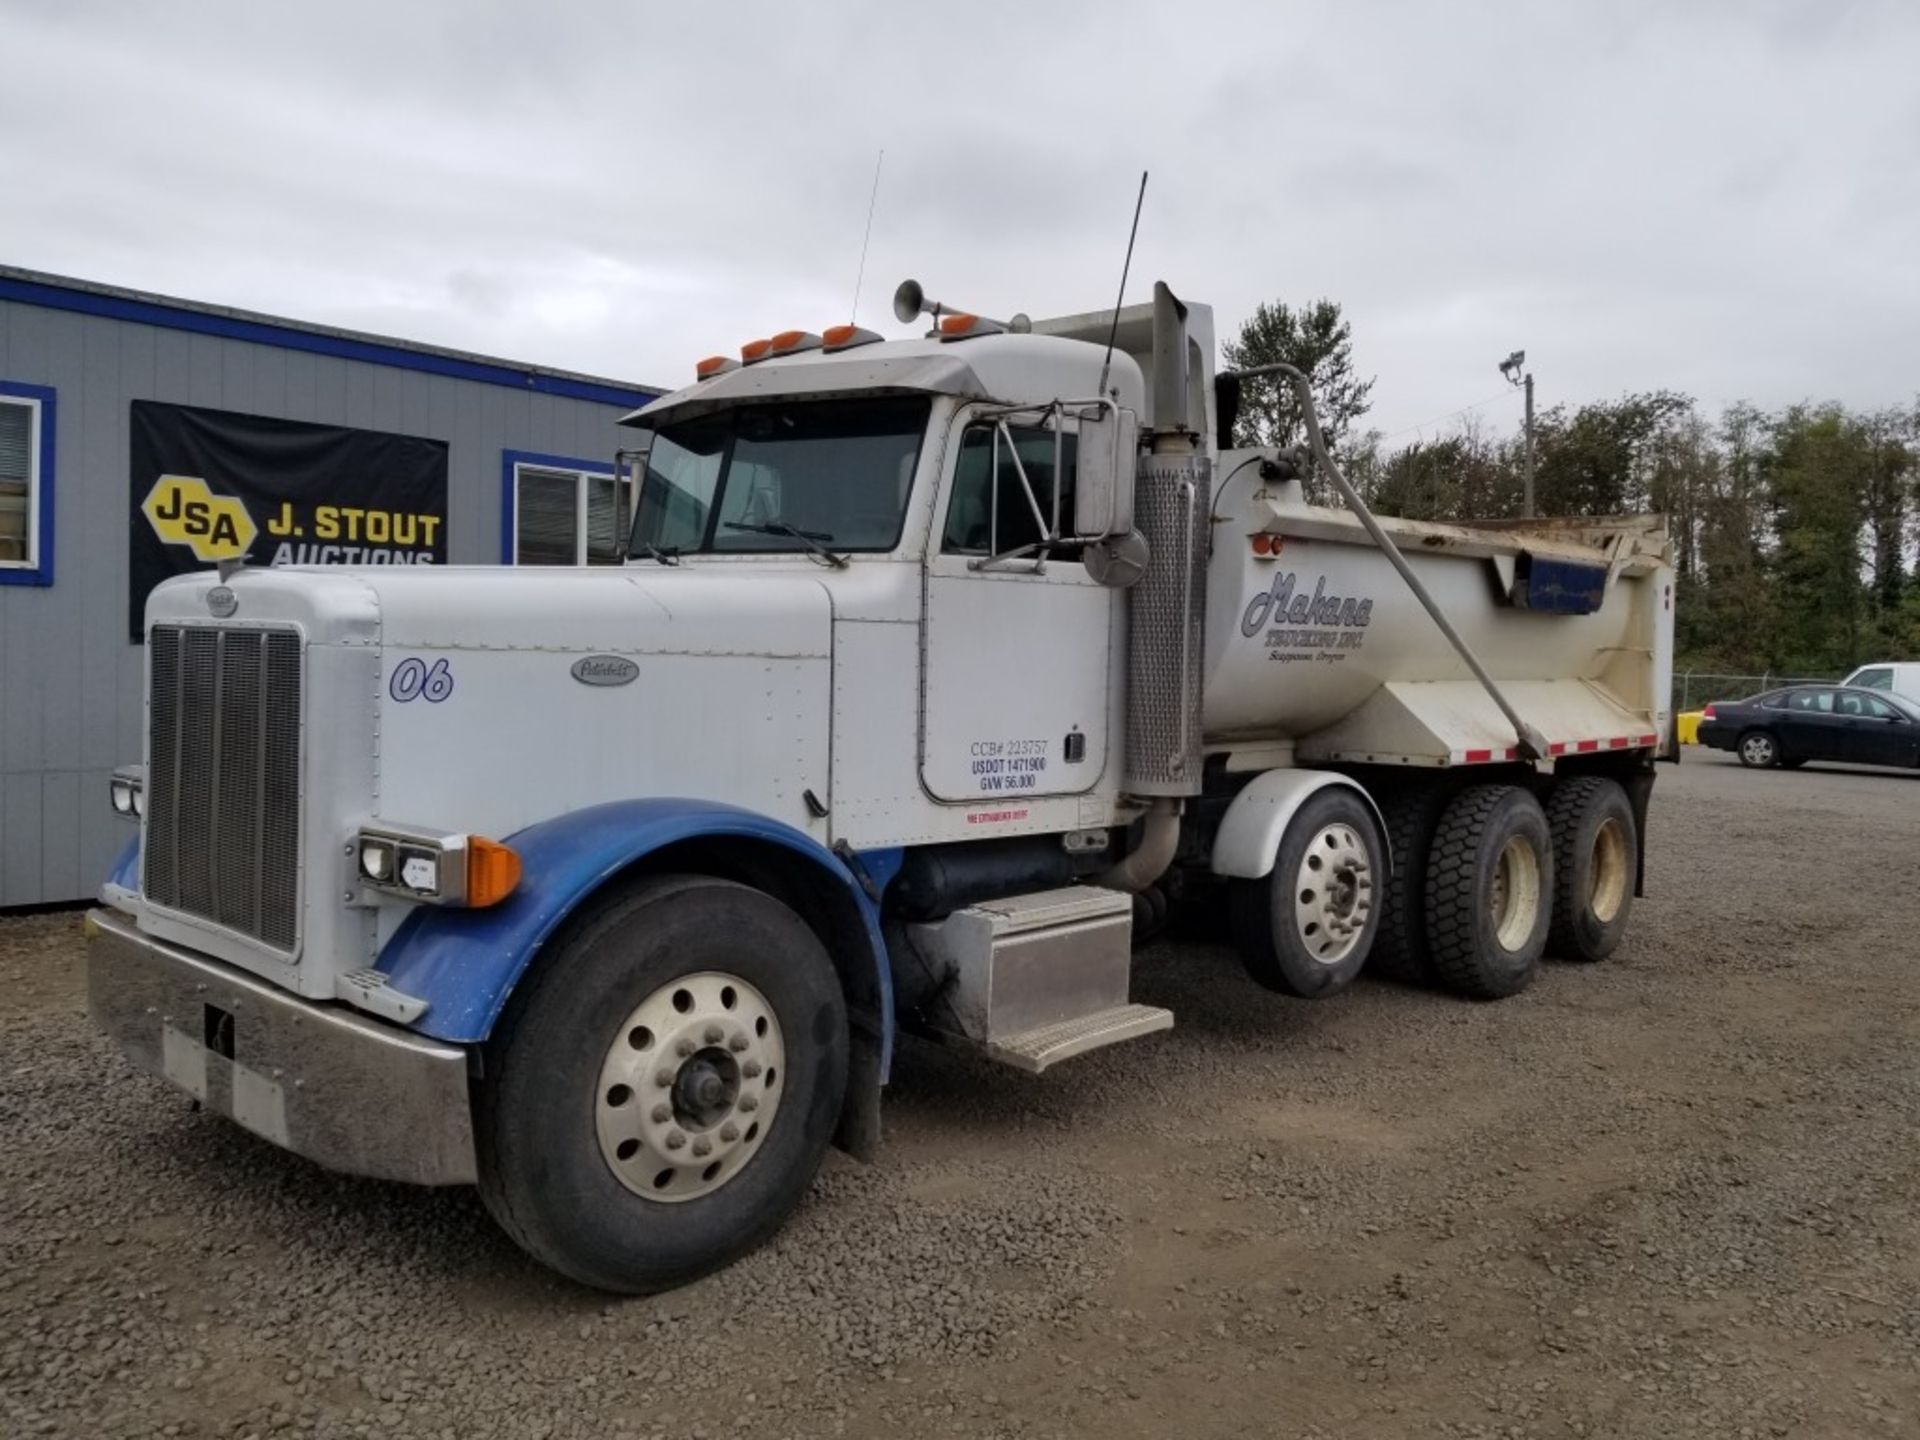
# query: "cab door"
[[1017, 636]]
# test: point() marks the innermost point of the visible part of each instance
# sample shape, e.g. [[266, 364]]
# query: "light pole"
[[1513, 367]]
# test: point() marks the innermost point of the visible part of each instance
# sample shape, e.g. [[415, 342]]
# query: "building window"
[[26, 484], [564, 512]]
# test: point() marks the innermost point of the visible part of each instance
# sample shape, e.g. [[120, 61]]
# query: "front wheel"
[[661, 1091], [1759, 750], [1306, 929]]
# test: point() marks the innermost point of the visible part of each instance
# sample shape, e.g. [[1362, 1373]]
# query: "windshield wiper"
[[809, 538], [669, 556]]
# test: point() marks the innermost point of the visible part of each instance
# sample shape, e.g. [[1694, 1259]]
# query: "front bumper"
[[347, 1092]]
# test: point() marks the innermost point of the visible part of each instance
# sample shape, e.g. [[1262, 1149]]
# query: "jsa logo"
[[183, 511]]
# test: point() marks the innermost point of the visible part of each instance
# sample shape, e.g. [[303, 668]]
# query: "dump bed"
[[1315, 641]]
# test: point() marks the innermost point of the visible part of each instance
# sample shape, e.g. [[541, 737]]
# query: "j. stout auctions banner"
[[212, 485]]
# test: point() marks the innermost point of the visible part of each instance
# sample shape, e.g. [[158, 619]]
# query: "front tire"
[[1759, 750], [1489, 891], [1596, 857], [1306, 929], [662, 1089]]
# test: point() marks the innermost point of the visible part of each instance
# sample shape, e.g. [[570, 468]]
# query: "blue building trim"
[[340, 347], [41, 571], [511, 458]]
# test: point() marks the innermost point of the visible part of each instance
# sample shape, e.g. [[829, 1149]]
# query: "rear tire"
[[1400, 950], [1489, 891], [1596, 857], [1758, 750], [1305, 930], [591, 1156]]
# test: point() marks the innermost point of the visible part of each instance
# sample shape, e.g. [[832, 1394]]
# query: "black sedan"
[[1816, 722]]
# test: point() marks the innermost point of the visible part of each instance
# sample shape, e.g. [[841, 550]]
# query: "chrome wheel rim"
[[1516, 893], [1757, 749], [1607, 874], [1333, 893], [690, 1086]]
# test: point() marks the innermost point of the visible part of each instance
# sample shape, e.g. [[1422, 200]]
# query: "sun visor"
[[816, 379]]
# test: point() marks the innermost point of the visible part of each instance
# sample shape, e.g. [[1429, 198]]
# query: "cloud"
[[1713, 197]]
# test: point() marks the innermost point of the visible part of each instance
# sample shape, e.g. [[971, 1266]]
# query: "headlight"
[[127, 790], [440, 869], [376, 860]]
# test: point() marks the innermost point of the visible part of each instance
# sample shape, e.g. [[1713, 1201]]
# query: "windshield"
[[791, 476]]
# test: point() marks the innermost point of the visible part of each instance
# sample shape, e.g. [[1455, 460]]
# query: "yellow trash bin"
[[1690, 727]]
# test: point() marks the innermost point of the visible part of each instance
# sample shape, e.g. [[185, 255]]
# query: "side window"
[[971, 518], [1847, 703], [1878, 709], [1881, 679], [1813, 702], [567, 516], [26, 481]]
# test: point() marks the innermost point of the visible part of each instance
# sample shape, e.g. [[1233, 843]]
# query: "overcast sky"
[[1718, 198]]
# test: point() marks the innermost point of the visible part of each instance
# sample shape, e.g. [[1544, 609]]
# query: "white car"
[[1902, 677]]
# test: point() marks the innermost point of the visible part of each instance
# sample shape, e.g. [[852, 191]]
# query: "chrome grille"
[[223, 778]]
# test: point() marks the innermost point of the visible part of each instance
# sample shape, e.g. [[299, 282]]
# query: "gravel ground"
[[1671, 1195]]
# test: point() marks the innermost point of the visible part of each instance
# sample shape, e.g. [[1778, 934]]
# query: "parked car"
[[1902, 677], [1816, 722]]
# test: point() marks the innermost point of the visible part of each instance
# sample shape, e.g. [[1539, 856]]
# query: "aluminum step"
[[1034, 1050]]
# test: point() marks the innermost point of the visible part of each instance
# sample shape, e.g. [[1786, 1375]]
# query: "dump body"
[[1314, 640]]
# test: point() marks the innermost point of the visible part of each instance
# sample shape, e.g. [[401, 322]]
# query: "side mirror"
[[1103, 482]]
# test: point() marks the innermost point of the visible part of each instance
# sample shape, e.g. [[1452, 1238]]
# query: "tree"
[[1314, 339]]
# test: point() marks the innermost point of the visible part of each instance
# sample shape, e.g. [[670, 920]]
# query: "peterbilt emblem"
[[605, 670], [222, 602]]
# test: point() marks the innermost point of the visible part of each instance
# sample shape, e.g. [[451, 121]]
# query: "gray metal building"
[[528, 467]]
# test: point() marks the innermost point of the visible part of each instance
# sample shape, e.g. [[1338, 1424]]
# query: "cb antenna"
[[1113, 330], [853, 313]]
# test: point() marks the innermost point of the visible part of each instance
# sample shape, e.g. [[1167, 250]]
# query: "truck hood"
[[716, 610]]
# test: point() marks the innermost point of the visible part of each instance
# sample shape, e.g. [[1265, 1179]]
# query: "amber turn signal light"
[[493, 872]]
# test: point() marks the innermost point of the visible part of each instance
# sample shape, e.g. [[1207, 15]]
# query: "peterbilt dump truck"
[[936, 670]]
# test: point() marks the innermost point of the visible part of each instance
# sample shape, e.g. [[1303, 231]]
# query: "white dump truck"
[[937, 669]]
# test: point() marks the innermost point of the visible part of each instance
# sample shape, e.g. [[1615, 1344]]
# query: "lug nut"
[[749, 1103], [675, 1140], [751, 1069], [663, 1078], [662, 1114], [703, 1146], [729, 1131], [737, 1044], [715, 1034], [684, 1049]]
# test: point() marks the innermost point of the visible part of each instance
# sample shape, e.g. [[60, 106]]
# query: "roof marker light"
[[845, 337], [714, 365], [792, 342], [755, 350], [965, 327]]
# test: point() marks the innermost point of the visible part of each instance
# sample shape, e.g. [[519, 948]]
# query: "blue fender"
[[465, 963]]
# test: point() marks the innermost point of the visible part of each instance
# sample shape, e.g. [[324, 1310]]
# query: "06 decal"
[[414, 680]]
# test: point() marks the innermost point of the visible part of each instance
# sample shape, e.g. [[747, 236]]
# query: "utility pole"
[[1513, 367]]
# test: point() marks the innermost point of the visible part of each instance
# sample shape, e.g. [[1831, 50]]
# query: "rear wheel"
[[1489, 890], [659, 1095], [1596, 857], [1306, 928], [1400, 951], [1759, 750]]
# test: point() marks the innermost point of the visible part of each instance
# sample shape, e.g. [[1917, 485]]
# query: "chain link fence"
[[1694, 688]]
